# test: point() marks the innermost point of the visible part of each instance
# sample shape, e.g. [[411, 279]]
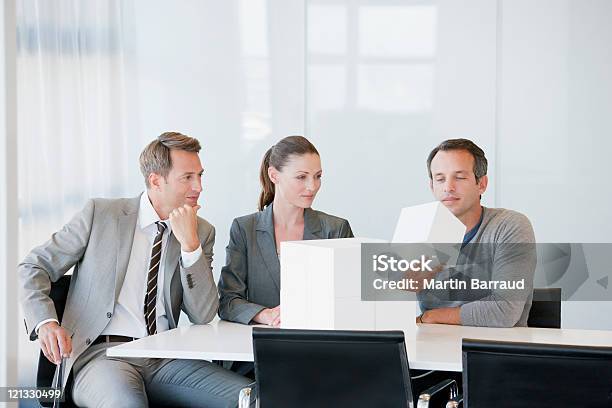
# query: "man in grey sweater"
[[499, 246]]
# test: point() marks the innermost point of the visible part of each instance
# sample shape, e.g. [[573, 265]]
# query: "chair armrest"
[[431, 391], [244, 399], [248, 397], [456, 402], [417, 377]]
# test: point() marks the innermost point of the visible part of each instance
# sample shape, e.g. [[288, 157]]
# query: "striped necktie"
[[151, 296]]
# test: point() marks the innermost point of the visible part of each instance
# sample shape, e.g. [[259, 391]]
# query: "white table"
[[436, 347]]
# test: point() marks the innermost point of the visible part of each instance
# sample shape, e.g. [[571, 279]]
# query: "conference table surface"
[[434, 347]]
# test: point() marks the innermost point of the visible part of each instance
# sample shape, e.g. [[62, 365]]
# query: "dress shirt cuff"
[[39, 325], [189, 258]]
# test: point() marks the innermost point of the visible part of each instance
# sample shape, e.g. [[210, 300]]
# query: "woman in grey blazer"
[[290, 176]]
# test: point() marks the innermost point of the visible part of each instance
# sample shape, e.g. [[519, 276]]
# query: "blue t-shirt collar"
[[472, 233]]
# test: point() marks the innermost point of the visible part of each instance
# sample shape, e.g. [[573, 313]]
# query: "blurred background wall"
[[375, 85]]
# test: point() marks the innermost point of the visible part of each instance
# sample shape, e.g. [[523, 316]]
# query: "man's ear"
[[482, 184], [155, 181], [273, 174], [431, 185]]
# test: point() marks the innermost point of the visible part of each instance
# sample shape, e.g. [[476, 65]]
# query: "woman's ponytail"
[[267, 187]]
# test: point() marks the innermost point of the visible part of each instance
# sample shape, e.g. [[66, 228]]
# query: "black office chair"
[[545, 308], [545, 312], [504, 374], [325, 368], [46, 369]]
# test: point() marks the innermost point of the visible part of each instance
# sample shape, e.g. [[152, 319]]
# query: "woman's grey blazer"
[[250, 280]]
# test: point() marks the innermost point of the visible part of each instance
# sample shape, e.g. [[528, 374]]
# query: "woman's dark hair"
[[277, 156]]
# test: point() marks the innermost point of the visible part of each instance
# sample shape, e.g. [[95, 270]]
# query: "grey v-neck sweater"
[[503, 249]]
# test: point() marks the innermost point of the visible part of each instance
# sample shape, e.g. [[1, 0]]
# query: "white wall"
[[555, 123], [375, 85], [231, 74], [406, 76]]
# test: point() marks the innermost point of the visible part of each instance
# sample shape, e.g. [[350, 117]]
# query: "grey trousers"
[[101, 381]]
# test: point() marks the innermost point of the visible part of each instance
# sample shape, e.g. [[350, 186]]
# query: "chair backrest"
[[46, 369], [545, 308], [315, 368], [505, 374]]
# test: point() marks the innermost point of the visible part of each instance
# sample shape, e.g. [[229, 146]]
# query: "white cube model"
[[431, 223], [428, 223], [321, 289]]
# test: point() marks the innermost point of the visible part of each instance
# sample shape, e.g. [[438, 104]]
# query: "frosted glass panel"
[[409, 79], [254, 27], [230, 73], [330, 35], [556, 117], [324, 97], [555, 122], [409, 30], [395, 87]]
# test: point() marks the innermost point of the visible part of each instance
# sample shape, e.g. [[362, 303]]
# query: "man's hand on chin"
[[184, 223]]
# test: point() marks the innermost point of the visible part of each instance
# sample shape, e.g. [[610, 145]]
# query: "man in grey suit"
[[137, 263]]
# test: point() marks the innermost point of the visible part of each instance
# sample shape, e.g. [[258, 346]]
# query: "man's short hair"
[[480, 161], [155, 158]]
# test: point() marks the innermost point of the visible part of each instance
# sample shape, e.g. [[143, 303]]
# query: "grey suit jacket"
[[250, 280], [98, 242]]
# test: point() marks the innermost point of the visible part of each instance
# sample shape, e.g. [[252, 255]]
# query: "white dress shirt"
[[128, 316]]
